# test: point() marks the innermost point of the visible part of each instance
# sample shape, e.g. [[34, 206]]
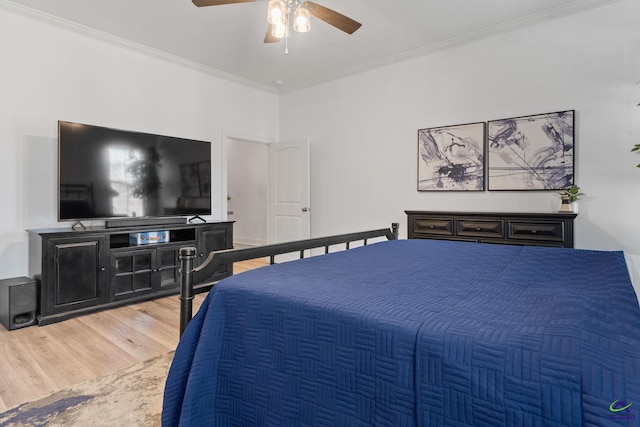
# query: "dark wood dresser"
[[533, 229]]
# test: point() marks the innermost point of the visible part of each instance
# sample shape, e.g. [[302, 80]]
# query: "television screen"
[[110, 173]]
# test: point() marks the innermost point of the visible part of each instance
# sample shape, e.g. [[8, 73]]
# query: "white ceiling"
[[228, 39]]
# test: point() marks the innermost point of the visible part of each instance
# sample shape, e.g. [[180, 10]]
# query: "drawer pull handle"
[[432, 226], [478, 228], [534, 230]]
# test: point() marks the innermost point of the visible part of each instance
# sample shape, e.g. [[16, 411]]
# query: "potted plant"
[[636, 148], [570, 197]]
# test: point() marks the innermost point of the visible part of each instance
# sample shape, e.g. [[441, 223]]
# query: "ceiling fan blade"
[[268, 38], [201, 3], [332, 17]]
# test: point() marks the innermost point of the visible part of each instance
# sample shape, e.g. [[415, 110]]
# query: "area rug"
[[130, 397]]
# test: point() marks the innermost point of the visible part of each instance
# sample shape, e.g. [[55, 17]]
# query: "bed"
[[415, 333]]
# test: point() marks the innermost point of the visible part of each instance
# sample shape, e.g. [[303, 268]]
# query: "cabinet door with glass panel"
[[140, 271], [132, 273], [168, 267]]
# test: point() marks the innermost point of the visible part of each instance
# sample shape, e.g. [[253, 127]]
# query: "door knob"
[[305, 209]]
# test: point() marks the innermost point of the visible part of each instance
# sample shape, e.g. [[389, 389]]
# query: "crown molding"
[[80, 29], [505, 27], [572, 8]]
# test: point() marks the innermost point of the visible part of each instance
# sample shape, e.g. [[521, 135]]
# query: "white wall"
[[49, 73], [364, 127]]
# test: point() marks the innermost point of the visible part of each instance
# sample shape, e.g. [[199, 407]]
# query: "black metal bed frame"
[[189, 276]]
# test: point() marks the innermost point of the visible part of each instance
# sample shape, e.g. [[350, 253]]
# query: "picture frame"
[[533, 152], [451, 158]]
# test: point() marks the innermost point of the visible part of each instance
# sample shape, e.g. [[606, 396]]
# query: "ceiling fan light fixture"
[[276, 12], [301, 19], [281, 30]]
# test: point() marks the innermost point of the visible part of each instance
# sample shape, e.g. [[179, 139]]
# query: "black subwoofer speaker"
[[18, 302]]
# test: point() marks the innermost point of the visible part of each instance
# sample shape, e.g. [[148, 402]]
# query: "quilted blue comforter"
[[415, 333]]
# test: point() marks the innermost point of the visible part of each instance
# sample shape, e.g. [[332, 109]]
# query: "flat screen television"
[[108, 173]]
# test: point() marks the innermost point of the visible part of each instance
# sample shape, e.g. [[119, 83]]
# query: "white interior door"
[[289, 195]]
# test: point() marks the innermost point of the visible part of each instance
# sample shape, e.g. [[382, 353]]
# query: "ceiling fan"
[[278, 16]]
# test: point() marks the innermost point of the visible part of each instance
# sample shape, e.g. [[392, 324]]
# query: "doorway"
[[268, 190], [247, 190]]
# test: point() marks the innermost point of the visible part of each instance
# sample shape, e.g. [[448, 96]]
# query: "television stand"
[[83, 271]]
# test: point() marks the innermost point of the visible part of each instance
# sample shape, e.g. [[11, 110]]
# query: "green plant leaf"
[[572, 193]]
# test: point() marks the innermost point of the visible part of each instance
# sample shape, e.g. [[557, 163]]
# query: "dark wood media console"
[[94, 269], [535, 229]]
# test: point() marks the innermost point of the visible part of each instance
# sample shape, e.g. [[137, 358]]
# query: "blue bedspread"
[[415, 333]]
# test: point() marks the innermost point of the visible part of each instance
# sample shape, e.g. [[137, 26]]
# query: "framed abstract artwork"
[[451, 158], [531, 152]]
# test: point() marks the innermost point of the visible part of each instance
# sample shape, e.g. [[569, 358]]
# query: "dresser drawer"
[[481, 228], [433, 226], [547, 231], [503, 228]]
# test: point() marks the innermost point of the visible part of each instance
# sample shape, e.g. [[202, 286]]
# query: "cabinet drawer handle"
[[432, 226], [478, 228], [534, 230], [102, 269]]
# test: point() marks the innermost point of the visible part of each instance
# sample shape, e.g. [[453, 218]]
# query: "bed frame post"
[[187, 257], [395, 228]]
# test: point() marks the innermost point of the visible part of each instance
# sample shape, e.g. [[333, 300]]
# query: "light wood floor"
[[39, 360]]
